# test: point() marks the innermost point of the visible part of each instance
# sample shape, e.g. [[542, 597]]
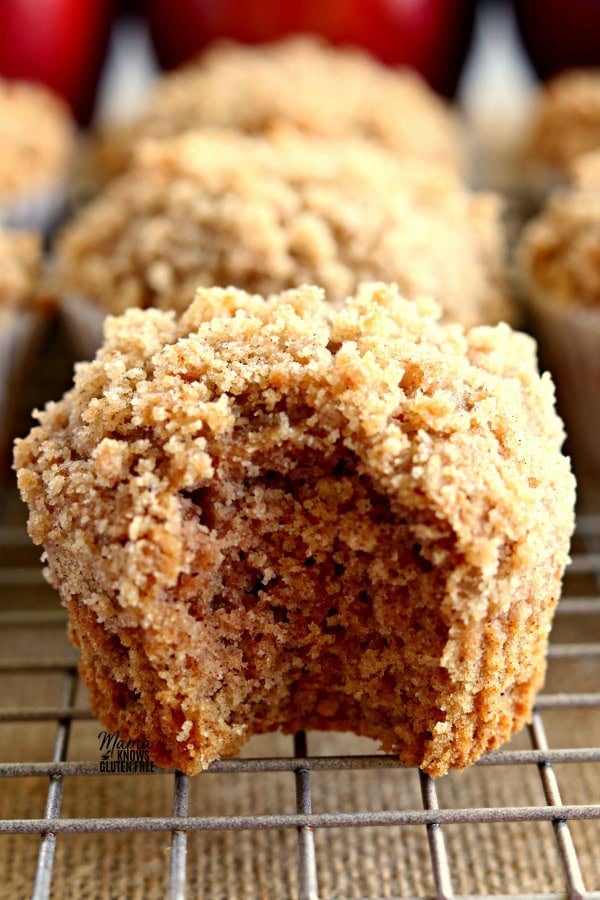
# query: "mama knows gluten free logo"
[[123, 756]]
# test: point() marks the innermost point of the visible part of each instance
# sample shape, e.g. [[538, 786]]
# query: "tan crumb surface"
[[320, 89], [36, 139], [269, 515], [271, 212], [566, 123], [560, 249], [20, 268]]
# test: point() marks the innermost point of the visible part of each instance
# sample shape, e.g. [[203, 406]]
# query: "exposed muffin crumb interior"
[[265, 514]]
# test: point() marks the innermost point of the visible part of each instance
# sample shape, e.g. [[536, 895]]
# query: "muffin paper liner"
[[20, 333], [84, 322], [569, 338], [41, 210]]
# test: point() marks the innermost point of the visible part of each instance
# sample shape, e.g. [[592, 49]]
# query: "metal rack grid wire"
[[431, 815]]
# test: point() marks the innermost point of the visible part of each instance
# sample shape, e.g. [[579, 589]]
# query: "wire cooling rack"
[[28, 619], [314, 816]]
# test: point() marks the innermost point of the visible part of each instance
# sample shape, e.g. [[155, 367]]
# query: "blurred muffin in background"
[[37, 138], [566, 124], [320, 89], [559, 264], [21, 317], [216, 208]]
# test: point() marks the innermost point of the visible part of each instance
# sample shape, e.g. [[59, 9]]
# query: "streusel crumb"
[[36, 140], [320, 89], [272, 212], [265, 514], [567, 121], [560, 249]]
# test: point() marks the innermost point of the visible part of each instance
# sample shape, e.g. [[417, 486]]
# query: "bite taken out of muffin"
[[270, 514]]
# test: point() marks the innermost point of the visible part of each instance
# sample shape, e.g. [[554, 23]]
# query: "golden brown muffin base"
[[389, 687], [268, 515]]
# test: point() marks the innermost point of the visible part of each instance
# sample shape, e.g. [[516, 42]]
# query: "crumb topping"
[[273, 212], [321, 90], [567, 120], [36, 139], [560, 249]]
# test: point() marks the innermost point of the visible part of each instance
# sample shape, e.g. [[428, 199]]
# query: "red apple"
[[61, 43], [431, 36], [560, 34]]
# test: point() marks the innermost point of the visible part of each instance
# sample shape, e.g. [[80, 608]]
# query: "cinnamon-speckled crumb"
[[268, 213], [320, 89], [265, 514]]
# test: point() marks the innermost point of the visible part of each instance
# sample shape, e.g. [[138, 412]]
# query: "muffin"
[[566, 124], [267, 514], [266, 213], [20, 318], [322, 90], [36, 147], [559, 265]]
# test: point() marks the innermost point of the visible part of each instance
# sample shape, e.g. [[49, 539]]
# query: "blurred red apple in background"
[[431, 36], [560, 34], [61, 43]]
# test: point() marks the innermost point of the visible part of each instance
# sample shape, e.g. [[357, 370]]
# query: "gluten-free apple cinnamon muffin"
[[320, 89], [275, 211], [565, 125], [559, 264], [267, 514], [36, 148], [20, 317]]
